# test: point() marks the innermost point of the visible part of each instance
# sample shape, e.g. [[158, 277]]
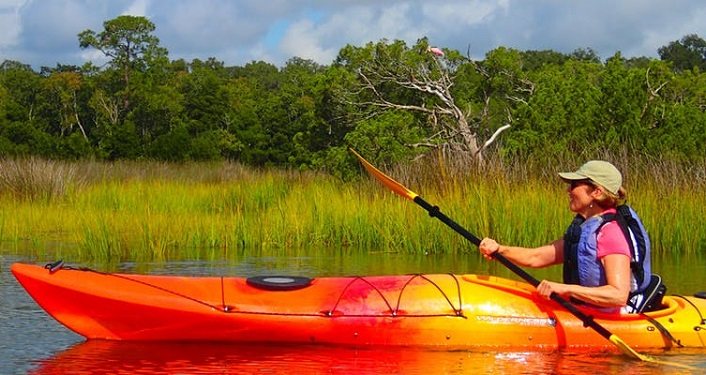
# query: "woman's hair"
[[610, 200]]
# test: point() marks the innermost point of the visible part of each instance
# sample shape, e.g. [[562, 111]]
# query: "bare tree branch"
[[432, 79]]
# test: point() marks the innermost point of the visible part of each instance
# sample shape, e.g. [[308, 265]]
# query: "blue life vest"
[[581, 265]]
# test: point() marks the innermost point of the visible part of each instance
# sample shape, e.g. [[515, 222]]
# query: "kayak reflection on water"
[[100, 357]]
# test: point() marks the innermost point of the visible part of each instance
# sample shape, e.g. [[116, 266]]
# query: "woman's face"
[[580, 197]]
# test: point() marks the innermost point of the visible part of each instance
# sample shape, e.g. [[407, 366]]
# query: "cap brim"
[[572, 176]]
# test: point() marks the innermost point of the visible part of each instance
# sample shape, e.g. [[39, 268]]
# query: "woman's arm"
[[613, 294], [537, 257]]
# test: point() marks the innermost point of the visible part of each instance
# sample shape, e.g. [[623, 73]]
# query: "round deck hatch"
[[279, 282]]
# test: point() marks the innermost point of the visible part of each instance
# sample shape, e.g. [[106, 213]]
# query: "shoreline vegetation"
[[144, 210]]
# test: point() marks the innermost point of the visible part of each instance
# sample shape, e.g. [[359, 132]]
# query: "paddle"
[[435, 212]]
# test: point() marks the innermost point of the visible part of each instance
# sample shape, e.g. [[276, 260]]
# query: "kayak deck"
[[439, 310]]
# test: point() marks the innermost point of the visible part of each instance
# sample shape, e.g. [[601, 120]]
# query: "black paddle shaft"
[[587, 320], [435, 212]]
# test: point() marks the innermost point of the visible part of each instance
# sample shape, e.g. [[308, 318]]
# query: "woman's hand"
[[546, 288], [487, 247]]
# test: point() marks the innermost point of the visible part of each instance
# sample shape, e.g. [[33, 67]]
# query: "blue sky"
[[44, 32]]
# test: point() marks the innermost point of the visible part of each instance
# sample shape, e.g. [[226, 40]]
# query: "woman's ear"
[[597, 191]]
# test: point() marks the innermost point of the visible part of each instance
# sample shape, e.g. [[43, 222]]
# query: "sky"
[[236, 32]]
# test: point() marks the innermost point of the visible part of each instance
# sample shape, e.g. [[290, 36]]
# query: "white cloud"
[[356, 25], [655, 37], [138, 8], [238, 31], [460, 14], [210, 28], [302, 40], [10, 22], [94, 56]]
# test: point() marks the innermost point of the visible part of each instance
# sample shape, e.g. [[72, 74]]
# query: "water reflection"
[[104, 357]]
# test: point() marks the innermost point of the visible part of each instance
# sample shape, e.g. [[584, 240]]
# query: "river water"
[[33, 343]]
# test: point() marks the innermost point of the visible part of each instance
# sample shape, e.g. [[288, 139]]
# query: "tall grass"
[[158, 211], [37, 179]]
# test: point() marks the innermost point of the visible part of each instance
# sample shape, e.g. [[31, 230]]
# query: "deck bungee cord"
[[703, 321], [330, 313], [395, 312], [59, 265]]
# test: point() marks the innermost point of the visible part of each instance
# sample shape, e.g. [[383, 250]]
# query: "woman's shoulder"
[[610, 211], [612, 239]]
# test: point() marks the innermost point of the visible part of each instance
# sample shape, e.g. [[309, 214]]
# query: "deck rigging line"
[[393, 312]]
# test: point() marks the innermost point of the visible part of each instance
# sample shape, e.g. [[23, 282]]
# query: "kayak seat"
[[651, 298]]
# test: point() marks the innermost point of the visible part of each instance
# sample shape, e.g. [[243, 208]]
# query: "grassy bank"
[[145, 211]]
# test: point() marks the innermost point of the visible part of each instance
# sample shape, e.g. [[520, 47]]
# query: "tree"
[[130, 45], [61, 90], [534, 60], [138, 71], [23, 86], [562, 113], [24, 126], [394, 77], [205, 96], [624, 98], [300, 94], [685, 54], [585, 54]]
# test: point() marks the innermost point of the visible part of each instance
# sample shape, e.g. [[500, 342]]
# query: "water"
[[33, 343]]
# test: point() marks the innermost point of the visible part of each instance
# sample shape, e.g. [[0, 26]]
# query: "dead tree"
[[457, 131]]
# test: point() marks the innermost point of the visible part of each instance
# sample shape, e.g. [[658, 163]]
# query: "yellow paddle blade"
[[626, 349], [642, 357], [385, 179]]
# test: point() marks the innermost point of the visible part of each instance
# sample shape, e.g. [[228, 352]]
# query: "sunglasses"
[[576, 183]]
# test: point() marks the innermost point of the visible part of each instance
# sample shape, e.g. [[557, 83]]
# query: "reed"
[[37, 179], [155, 211]]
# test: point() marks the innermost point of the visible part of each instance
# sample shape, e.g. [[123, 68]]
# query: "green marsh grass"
[[146, 211]]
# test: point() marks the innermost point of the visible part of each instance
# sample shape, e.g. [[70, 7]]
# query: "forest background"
[[147, 157], [391, 101]]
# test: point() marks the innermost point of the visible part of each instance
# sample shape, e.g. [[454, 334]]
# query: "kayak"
[[446, 311]]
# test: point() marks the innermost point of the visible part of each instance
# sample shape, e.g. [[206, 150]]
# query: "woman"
[[595, 252]]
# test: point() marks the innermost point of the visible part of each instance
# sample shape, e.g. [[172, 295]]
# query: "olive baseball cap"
[[601, 172]]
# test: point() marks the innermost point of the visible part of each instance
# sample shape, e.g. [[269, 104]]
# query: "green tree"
[[23, 86], [63, 107], [300, 94], [25, 128], [158, 105], [677, 126], [585, 54], [328, 130], [685, 54], [623, 99], [205, 96], [6, 147], [131, 99], [258, 114], [562, 114], [61, 91], [129, 44], [534, 60]]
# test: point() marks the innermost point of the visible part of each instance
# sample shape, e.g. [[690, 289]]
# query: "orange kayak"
[[438, 310]]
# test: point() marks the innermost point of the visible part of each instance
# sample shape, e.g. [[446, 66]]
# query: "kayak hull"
[[448, 311]]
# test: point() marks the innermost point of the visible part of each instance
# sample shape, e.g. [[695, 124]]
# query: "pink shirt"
[[611, 239]]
